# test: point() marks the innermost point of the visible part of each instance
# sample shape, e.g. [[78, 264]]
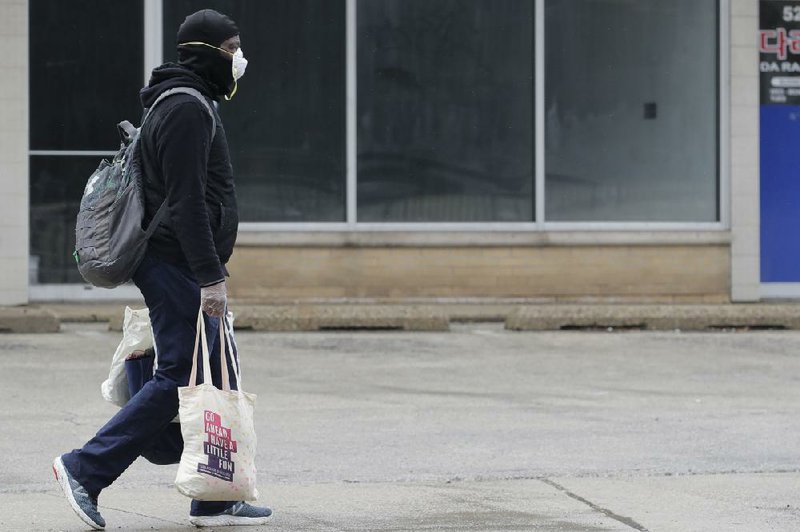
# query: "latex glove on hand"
[[213, 299]]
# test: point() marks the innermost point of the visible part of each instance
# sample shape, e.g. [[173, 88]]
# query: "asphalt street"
[[476, 429]]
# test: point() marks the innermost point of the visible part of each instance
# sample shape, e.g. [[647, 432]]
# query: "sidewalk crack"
[[130, 512], [605, 511]]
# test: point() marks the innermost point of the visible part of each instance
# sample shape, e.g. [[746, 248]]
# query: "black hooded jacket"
[[194, 174]]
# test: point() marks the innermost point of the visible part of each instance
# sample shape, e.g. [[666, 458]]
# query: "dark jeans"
[[142, 427]]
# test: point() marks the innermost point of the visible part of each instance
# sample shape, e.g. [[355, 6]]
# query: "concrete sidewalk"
[[478, 428]]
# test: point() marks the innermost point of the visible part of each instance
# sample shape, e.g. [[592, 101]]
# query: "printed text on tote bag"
[[218, 447]]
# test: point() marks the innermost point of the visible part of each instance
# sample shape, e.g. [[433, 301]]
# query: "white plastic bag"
[[219, 439], [137, 335]]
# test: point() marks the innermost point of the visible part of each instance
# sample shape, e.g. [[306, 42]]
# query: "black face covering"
[[209, 64], [212, 28]]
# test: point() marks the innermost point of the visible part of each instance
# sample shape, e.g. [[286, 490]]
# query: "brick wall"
[[13, 152], [671, 273]]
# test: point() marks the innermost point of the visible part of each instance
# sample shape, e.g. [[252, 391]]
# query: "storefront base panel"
[[623, 273]]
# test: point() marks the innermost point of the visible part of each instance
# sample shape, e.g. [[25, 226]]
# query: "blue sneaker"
[[84, 505], [240, 514]]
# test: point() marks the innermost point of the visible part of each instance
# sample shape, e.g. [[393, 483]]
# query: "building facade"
[[541, 150]]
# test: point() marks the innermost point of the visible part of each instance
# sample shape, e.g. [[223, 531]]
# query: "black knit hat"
[[207, 26]]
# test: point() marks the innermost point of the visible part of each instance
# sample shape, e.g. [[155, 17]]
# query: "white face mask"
[[238, 65]]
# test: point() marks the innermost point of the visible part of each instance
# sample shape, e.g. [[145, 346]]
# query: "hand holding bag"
[[219, 439]]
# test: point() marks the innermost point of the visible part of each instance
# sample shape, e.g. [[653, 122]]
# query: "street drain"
[[767, 327], [348, 328], [597, 327]]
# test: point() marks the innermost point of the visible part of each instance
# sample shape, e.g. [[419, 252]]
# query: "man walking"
[[185, 161]]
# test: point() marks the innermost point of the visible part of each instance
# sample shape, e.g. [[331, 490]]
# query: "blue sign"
[[779, 66]]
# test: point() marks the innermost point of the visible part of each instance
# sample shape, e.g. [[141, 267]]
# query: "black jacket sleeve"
[[183, 142]]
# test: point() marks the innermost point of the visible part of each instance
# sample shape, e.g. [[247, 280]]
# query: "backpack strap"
[[162, 209], [191, 92]]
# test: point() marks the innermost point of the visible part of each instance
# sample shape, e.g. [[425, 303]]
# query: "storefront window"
[[631, 110], [85, 75], [286, 124], [57, 184], [85, 72], [445, 110]]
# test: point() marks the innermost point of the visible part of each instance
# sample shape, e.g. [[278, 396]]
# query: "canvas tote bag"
[[219, 439]]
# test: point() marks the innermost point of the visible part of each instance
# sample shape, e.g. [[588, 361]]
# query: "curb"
[[437, 317], [654, 317], [342, 317], [330, 317], [18, 320]]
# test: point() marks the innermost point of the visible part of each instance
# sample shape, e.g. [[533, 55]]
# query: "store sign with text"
[[779, 52]]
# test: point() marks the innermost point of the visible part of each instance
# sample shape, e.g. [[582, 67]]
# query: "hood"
[[212, 28], [171, 75]]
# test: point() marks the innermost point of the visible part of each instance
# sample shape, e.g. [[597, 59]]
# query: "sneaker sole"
[[61, 476], [228, 520]]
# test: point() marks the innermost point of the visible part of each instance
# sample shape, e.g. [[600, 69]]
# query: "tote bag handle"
[[226, 354], [201, 345]]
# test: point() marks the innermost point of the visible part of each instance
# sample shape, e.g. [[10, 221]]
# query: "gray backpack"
[[110, 241]]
